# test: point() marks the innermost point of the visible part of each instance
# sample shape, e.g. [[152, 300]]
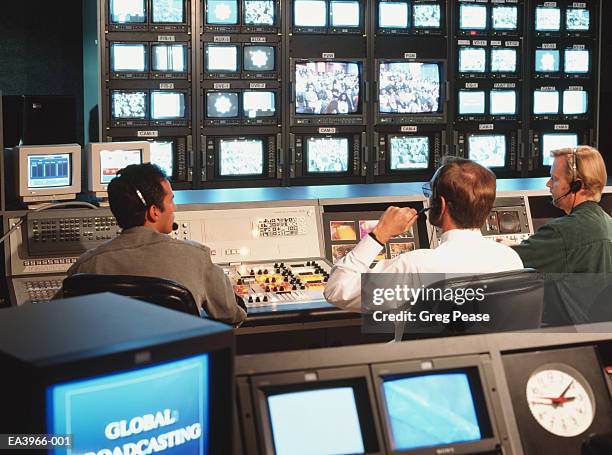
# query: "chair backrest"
[[159, 291]]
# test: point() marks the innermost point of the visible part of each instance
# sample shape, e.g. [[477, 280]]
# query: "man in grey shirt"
[[142, 201]]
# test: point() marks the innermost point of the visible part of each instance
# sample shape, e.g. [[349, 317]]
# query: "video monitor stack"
[[147, 83], [564, 72], [241, 96]]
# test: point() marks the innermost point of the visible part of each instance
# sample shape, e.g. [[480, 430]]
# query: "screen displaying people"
[[409, 152], [240, 157], [487, 149], [409, 87], [327, 154]]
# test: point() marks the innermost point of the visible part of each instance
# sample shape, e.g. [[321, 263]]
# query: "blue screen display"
[[150, 409], [46, 171], [431, 410]]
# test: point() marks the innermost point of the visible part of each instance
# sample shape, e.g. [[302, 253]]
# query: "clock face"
[[561, 400]]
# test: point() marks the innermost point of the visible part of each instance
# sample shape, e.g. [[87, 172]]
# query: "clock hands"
[[561, 399]]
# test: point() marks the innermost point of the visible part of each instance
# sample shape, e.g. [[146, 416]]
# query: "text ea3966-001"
[[35, 441]]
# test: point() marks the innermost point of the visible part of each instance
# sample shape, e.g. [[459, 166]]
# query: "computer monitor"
[[169, 58], [310, 13], [259, 58], [393, 15], [345, 13], [472, 59], [240, 157], [575, 102], [546, 102], [472, 17], [576, 61], [547, 19], [503, 102], [556, 141], [129, 104], [504, 17], [127, 11], [487, 149], [408, 152], [222, 58], [471, 102], [577, 20], [105, 159], [222, 104], [162, 155], [128, 57], [259, 13], [406, 87], [547, 60], [327, 155], [167, 11], [504, 60], [258, 104], [222, 12], [47, 172], [426, 15]]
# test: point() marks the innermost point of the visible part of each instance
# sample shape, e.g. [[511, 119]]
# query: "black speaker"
[[39, 120]]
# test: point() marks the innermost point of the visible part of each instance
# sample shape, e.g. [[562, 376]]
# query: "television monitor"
[[556, 141], [167, 11], [409, 87], [426, 15], [127, 11], [576, 61], [105, 159], [408, 152], [310, 13], [575, 102], [345, 13], [504, 60], [129, 104], [547, 19], [240, 157], [162, 154], [545, 102], [170, 58], [259, 58], [259, 12], [547, 60], [472, 59], [47, 172], [327, 154], [222, 105], [222, 58], [472, 17], [393, 14], [471, 102], [128, 57], [503, 102], [167, 105], [327, 88], [577, 20], [258, 103], [504, 17], [487, 149], [222, 12]]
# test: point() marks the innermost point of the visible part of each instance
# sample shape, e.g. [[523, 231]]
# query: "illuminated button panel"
[[41, 291], [280, 227]]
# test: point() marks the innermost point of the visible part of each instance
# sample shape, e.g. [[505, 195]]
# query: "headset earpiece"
[[575, 185]]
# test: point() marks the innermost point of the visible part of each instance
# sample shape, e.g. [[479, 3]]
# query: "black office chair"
[[159, 291]]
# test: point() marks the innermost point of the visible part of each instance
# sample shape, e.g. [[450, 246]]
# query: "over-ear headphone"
[[575, 185]]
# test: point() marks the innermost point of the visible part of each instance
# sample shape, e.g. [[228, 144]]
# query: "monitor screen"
[[169, 57], [577, 20], [472, 59], [548, 19], [167, 105], [503, 102], [504, 17], [327, 154], [545, 102], [129, 104], [576, 61], [393, 14], [310, 13], [316, 421], [222, 104], [345, 13], [487, 149], [222, 58], [471, 102], [162, 155], [222, 12], [111, 161], [503, 60], [127, 11], [426, 15], [556, 141], [409, 87], [259, 12], [408, 152], [327, 88], [128, 57], [141, 415], [168, 11], [575, 102], [49, 171], [259, 103], [431, 410], [241, 157], [547, 60], [472, 17], [259, 58]]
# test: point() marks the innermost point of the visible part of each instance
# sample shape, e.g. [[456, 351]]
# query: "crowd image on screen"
[[577, 19], [503, 60], [327, 154], [409, 87], [170, 11], [327, 88], [409, 152], [426, 16], [259, 12], [487, 150], [241, 157], [505, 17], [129, 104], [125, 12]]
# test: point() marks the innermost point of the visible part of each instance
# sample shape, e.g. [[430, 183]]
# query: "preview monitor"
[[577, 19], [128, 104], [310, 13], [47, 172], [241, 157], [345, 13], [487, 149], [327, 88], [168, 11], [327, 155], [128, 57], [127, 11], [504, 60], [545, 102], [576, 61], [259, 58], [547, 19], [221, 58], [222, 104], [222, 12], [504, 17], [426, 15], [408, 152], [162, 155], [503, 102], [556, 141], [393, 14], [258, 103], [575, 102], [167, 105], [471, 102], [472, 17], [472, 59], [409, 87], [171, 58], [259, 12], [547, 60]]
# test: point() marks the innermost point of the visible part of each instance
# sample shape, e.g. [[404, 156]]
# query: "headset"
[[175, 226], [575, 184]]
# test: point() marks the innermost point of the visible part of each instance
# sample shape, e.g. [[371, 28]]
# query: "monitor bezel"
[[183, 22], [430, 152], [507, 140], [264, 162], [350, 157]]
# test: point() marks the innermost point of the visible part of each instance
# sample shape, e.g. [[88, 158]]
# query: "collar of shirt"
[[460, 234]]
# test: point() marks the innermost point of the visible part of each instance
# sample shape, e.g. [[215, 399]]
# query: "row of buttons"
[[31, 262]]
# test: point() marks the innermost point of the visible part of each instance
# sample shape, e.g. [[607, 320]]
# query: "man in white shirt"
[[462, 195]]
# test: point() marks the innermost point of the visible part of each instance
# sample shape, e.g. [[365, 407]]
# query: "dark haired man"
[[462, 195], [142, 201]]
